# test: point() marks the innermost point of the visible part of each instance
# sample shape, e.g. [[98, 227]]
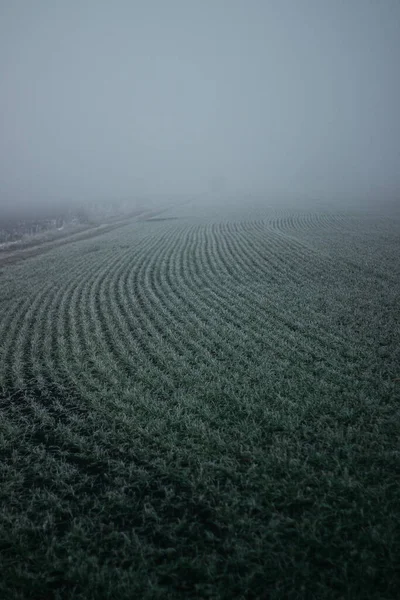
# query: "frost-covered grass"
[[205, 406]]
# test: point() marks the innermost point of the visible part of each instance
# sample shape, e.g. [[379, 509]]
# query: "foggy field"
[[202, 405], [200, 300]]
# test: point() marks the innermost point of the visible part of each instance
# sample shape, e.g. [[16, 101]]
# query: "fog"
[[172, 98]]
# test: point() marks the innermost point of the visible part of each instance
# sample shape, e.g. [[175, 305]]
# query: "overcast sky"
[[107, 99]]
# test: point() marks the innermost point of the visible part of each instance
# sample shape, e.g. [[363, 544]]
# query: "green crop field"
[[204, 405]]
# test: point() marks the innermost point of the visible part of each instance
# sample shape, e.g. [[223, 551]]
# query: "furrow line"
[[20, 372], [137, 344], [269, 262], [161, 323], [259, 323], [57, 346], [313, 319], [133, 319], [174, 295], [294, 257], [11, 323]]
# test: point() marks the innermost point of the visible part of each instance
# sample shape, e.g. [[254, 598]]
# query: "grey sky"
[[103, 99]]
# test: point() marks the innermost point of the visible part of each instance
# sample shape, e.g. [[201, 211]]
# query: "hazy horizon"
[[287, 99]]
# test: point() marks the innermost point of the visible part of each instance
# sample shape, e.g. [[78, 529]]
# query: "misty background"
[[108, 101]]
